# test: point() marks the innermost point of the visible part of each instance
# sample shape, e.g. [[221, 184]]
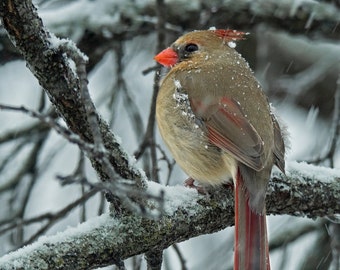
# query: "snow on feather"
[[183, 104]]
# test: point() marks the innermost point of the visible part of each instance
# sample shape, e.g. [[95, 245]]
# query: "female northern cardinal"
[[216, 121]]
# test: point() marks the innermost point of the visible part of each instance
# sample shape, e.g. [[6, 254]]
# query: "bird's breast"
[[184, 135]]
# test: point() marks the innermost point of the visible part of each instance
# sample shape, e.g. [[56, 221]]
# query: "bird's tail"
[[251, 244]]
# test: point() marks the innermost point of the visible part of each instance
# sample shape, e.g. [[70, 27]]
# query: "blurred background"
[[293, 48]]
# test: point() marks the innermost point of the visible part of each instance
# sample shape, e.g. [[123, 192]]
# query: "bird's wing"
[[229, 129]]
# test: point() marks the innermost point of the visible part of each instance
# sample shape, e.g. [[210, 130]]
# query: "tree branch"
[[307, 17], [186, 215], [49, 61], [311, 18]]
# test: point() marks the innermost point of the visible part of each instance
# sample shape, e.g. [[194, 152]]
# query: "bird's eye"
[[191, 47]]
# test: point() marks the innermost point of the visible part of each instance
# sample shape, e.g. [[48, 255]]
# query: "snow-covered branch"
[[88, 22], [114, 16], [306, 191]]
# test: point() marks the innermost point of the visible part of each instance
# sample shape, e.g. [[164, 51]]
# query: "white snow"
[[68, 234], [177, 84], [321, 173], [56, 42], [174, 196], [232, 44]]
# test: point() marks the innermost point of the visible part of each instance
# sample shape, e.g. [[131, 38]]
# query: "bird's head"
[[198, 44]]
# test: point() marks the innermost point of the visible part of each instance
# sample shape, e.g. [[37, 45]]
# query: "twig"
[[48, 216], [170, 163], [29, 131], [66, 133], [300, 83], [125, 190], [13, 153], [28, 166], [53, 218], [290, 235], [334, 235], [130, 104], [335, 131], [32, 173], [180, 256], [154, 259], [150, 69], [149, 136]]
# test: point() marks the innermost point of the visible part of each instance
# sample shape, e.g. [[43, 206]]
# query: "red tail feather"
[[251, 244]]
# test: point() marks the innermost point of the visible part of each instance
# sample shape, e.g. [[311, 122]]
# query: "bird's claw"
[[190, 183]]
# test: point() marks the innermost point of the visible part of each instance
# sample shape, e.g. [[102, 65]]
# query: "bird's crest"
[[229, 34]]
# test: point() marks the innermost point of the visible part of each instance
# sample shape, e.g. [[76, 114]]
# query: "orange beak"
[[167, 57]]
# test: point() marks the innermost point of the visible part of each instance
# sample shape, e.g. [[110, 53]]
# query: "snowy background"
[[298, 72]]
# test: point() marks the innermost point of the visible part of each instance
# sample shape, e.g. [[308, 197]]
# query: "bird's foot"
[[228, 185], [190, 183]]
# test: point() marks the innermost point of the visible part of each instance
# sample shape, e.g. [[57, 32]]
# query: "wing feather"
[[229, 129]]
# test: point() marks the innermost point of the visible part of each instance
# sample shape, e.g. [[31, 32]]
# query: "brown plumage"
[[216, 121]]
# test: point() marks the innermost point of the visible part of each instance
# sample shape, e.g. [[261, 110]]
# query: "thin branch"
[[15, 151], [318, 254], [53, 218], [32, 173], [150, 69], [335, 131], [286, 237], [170, 163], [137, 262], [334, 235], [154, 259], [149, 140], [29, 131], [180, 256], [102, 204], [307, 17], [155, 201], [28, 166], [48, 216], [130, 104], [125, 190], [299, 84], [66, 133]]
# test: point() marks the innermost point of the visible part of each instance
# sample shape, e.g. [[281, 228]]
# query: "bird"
[[216, 120]]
